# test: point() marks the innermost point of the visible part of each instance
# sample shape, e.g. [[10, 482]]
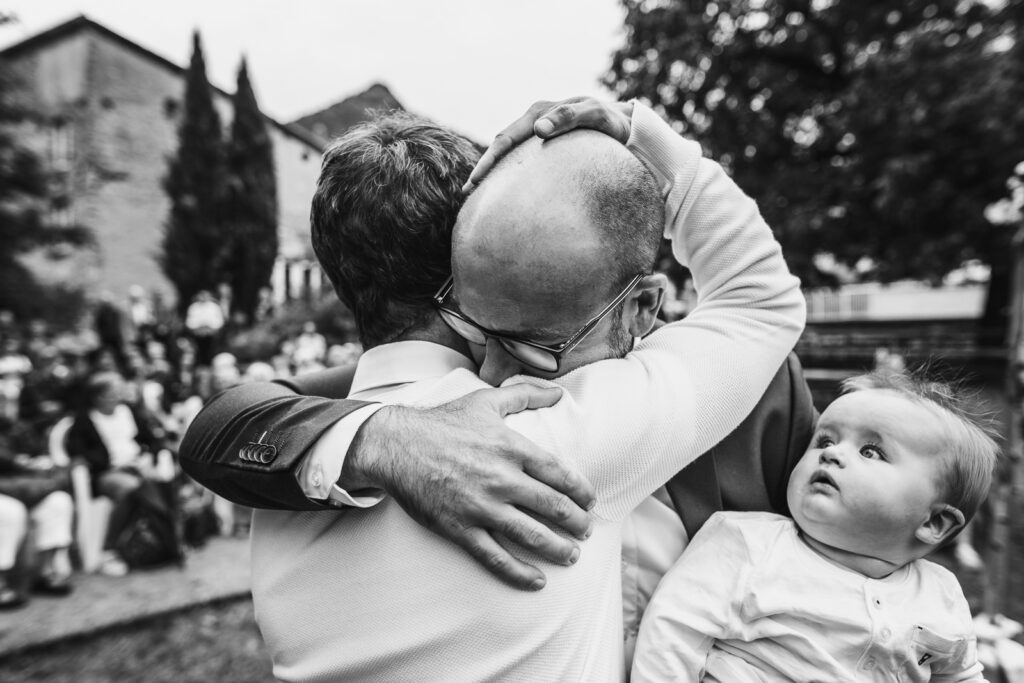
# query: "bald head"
[[577, 210], [553, 233]]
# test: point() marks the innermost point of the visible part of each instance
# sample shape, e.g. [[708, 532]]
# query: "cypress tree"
[[194, 238], [251, 200]]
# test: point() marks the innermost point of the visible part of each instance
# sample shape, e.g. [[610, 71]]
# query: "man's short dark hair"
[[382, 217]]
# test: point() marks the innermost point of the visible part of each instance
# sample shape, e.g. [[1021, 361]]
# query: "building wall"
[[110, 117]]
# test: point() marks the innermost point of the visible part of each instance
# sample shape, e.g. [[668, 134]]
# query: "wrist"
[[366, 461]]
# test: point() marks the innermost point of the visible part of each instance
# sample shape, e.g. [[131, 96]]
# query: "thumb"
[[519, 397]]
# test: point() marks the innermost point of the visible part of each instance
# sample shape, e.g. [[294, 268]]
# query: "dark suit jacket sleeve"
[[749, 469], [248, 441]]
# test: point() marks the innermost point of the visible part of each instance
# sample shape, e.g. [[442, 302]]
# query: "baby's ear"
[[943, 522]]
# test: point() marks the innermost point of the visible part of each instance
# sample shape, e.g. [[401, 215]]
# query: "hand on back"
[[459, 471]]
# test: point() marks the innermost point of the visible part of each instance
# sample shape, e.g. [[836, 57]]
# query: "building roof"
[[82, 22], [339, 117]]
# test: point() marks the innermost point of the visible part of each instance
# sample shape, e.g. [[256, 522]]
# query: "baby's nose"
[[831, 456]]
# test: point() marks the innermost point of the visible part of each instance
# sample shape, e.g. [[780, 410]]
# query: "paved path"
[[218, 571]]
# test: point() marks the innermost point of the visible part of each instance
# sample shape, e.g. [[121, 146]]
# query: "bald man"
[[559, 230], [370, 594]]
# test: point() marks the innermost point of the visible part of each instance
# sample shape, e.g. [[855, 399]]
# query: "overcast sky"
[[471, 64]]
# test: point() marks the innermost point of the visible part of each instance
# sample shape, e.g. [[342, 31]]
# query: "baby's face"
[[869, 478]]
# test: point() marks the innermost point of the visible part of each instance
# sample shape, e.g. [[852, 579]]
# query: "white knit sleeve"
[[633, 423]]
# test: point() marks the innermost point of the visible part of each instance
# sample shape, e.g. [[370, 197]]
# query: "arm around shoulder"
[[247, 442]]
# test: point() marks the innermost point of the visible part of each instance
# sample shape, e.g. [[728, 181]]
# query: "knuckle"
[[561, 113], [561, 508], [568, 480], [602, 118], [538, 107], [512, 528], [510, 448], [496, 561], [521, 533], [533, 539]]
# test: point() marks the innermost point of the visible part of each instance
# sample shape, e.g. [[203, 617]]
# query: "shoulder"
[[940, 588], [758, 522], [755, 530], [435, 391], [937, 577]]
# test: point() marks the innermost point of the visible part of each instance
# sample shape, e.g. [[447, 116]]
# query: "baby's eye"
[[872, 452], [823, 442]]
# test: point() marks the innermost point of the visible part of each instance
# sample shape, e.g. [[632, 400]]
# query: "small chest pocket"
[[928, 647]]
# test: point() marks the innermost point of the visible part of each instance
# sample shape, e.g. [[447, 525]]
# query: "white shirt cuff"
[[320, 470]]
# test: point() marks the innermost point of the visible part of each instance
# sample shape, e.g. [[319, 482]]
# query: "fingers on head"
[[563, 116], [538, 108]]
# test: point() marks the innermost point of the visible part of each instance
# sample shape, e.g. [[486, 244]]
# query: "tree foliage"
[[194, 239], [251, 200], [876, 132], [28, 193]]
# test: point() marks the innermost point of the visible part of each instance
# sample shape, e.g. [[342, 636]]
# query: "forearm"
[[247, 443], [688, 385]]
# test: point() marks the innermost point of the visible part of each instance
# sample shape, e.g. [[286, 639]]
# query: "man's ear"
[[943, 522], [645, 302]]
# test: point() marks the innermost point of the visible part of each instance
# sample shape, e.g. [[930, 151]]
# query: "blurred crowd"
[[90, 421]]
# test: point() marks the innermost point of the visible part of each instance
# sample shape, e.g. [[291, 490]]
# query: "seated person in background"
[[118, 447], [50, 518], [31, 498], [896, 468]]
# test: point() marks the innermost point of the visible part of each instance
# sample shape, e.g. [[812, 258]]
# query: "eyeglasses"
[[538, 356]]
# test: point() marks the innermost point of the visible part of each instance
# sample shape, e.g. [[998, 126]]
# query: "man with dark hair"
[[357, 189], [386, 265], [694, 381]]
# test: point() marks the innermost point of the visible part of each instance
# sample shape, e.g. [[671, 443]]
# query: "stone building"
[[108, 111]]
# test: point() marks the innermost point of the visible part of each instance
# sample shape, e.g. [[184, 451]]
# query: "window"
[[170, 107], [61, 145]]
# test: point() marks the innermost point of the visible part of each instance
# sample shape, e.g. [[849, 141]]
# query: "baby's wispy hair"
[[972, 438]]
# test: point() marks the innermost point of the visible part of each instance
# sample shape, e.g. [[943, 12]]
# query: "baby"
[[840, 592]]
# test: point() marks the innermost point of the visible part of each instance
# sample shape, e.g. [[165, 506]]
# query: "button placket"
[[882, 633]]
